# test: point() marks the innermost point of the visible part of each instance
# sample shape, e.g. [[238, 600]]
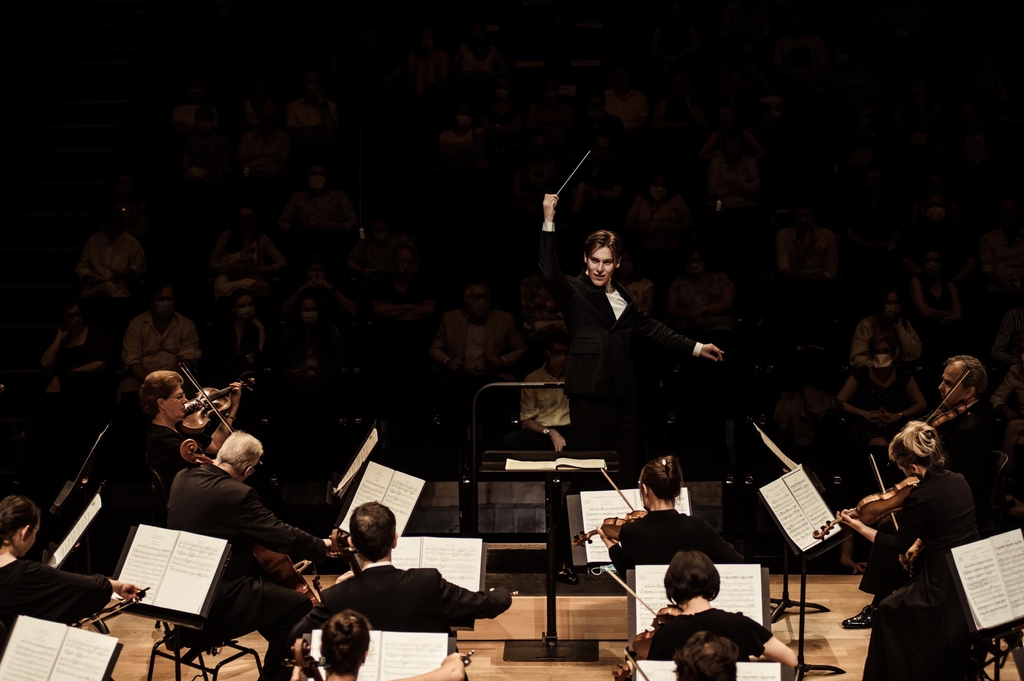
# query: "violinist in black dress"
[[920, 630], [37, 590], [163, 398], [663, 532]]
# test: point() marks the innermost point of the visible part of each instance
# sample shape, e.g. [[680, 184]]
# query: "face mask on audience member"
[[164, 308], [695, 268], [658, 192], [464, 121], [310, 316], [380, 235], [932, 268], [246, 312], [936, 213], [501, 93], [317, 182], [892, 310], [882, 360]]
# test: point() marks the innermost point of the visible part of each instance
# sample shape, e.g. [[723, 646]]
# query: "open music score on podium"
[[395, 654], [797, 508], [598, 505], [990, 579], [38, 650]]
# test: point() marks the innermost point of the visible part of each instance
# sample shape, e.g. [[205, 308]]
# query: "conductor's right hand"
[[710, 351], [550, 202]]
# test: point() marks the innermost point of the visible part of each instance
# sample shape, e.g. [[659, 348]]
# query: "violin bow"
[[604, 472], [112, 610], [881, 488], [631, 656], [606, 570], [202, 396], [934, 413]]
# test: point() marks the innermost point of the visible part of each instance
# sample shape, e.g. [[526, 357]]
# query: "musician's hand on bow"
[[550, 202], [124, 589], [710, 351], [604, 537], [297, 674]]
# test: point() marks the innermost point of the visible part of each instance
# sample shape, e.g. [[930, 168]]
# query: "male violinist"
[[964, 425], [417, 600], [213, 500]]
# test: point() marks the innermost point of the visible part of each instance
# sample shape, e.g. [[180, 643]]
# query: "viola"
[[199, 410], [191, 452], [936, 420], [611, 528], [874, 507]]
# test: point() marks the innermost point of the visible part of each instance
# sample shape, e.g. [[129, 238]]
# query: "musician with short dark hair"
[[417, 600], [706, 657]]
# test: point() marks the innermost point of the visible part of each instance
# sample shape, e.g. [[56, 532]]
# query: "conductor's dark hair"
[[603, 239], [706, 657], [691, 574], [373, 530], [344, 642], [663, 476], [16, 512]]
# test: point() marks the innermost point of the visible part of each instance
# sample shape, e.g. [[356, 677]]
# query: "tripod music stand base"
[[802, 669], [561, 651], [782, 605]]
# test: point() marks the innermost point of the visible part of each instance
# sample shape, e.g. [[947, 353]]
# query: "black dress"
[[660, 535], [163, 451], [748, 635], [920, 631], [37, 590]]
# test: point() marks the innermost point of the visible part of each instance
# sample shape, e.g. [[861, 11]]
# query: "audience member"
[[799, 55], [939, 315], [477, 340], [1001, 254], [1011, 329], [428, 65], [727, 127], [311, 352], [641, 289], [503, 120], [746, 18], [675, 39], [934, 186], [158, 340], [111, 261], [312, 118], [257, 103], [1012, 389], [536, 176], [76, 355], [678, 117], [207, 153], [183, 117], [244, 258], [236, 346], [461, 147], [376, 253], [700, 302], [889, 319], [939, 232], [263, 151], [554, 118], [319, 216], [594, 122], [917, 115], [805, 251], [600, 187], [544, 412], [539, 309], [734, 181], [131, 208], [629, 105], [872, 229], [320, 284], [478, 56], [661, 219]]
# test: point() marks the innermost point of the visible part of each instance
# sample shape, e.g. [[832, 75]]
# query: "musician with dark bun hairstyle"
[[663, 532], [37, 590], [938, 516]]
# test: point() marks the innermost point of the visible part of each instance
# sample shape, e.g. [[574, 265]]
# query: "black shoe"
[[863, 620], [566, 575]]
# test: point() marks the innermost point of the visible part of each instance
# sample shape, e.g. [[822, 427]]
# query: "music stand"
[[79, 483]]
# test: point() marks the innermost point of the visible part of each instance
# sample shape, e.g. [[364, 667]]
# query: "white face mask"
[[693, 269], [310, 316], [936, 213], [892, 309], [882, 360], [164, 308], [317, 182], [380, 236], [464, 121], [246, 312], [658, 192]]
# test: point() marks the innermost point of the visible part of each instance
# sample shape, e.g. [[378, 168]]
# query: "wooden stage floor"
[[585, 617]]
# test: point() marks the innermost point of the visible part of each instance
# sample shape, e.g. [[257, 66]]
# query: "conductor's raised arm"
[[548, 258]]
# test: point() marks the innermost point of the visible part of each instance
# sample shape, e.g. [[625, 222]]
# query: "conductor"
[[602, 318]]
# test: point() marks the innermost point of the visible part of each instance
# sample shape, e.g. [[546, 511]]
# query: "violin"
[[874, 507], [199, 410], [192, 452], [937, 419], [642, 641], [611, 528]]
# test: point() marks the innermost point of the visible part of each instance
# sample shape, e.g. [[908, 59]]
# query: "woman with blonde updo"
[[937, 516], [663, 532]]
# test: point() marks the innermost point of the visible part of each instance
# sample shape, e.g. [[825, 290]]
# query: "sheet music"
[[370, 671], [807, 496], [457, 559], [405, 654], [32, 649], [558, 464], [650, 587], [148, 558], [190, 573], [785, 507], [406, 554], [758, 671], [683, 502], [84, 657], [983, 585], [76, 532], [656, 670], [361, 456], [790, 464], [315, 640], [741, 591], [372, 487], [596, 506], [1009, 552], [401, 498]]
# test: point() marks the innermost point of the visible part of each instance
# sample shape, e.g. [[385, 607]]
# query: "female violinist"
[[938, 513], [659, 535], [692, 582], [37, 590], [163, 398]]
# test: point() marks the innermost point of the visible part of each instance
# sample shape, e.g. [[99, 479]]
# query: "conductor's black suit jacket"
[[599, 351], [417, 600]]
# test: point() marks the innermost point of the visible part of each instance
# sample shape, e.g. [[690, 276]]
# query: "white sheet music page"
[[190, 573], [315, 639], [650, 587], [758, 671], [406, 554], [361, 456], [656, 670], [370, 671], [401, 497], [32, 649], [741, 591], [1009, 550], [147, 560], [683, 502], [596, 506], [792, 518], [811, 502], [85, 656], [372, 487], [983, 584], [405, 654], [76, 532], [457, 559]]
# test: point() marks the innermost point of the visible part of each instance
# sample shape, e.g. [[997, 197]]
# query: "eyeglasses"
[[180, 396]]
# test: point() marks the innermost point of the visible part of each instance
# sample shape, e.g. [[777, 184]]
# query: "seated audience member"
[[417, 600], [36, 590], [660, 535], [678, 118], [934, 187], [692, 582], [251, 107], [207, 153], [888, 317], [263, 152], [537, 174], [593, 122], [1012, 388], [376, 252], [599, 190], [628, 105], [319, 283], [550, 116], [805, 251], [706, 657], [1001, 255], [880, 394], [503, 120], [641, 289], [429, 65], [939, 315], [312, 118], [544, 412], [312, 346], [799, 55], [111, 260], [675, 38], [130, 207], [477, 340], [183, 116], [236, 346], [539, 309], [733, 178], [76, 349], [873, 228], [938, 231], [244, 258], [461, 147], [163, 398], [1011, 329], [318, 209], [660, 217], [727, 127], [478, 56], [157, 340], [700, 302]]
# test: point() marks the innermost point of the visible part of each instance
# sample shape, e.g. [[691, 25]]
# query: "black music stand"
[[79, 483]]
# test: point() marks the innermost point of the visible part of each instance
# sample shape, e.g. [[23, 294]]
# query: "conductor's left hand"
[[710, 351]]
